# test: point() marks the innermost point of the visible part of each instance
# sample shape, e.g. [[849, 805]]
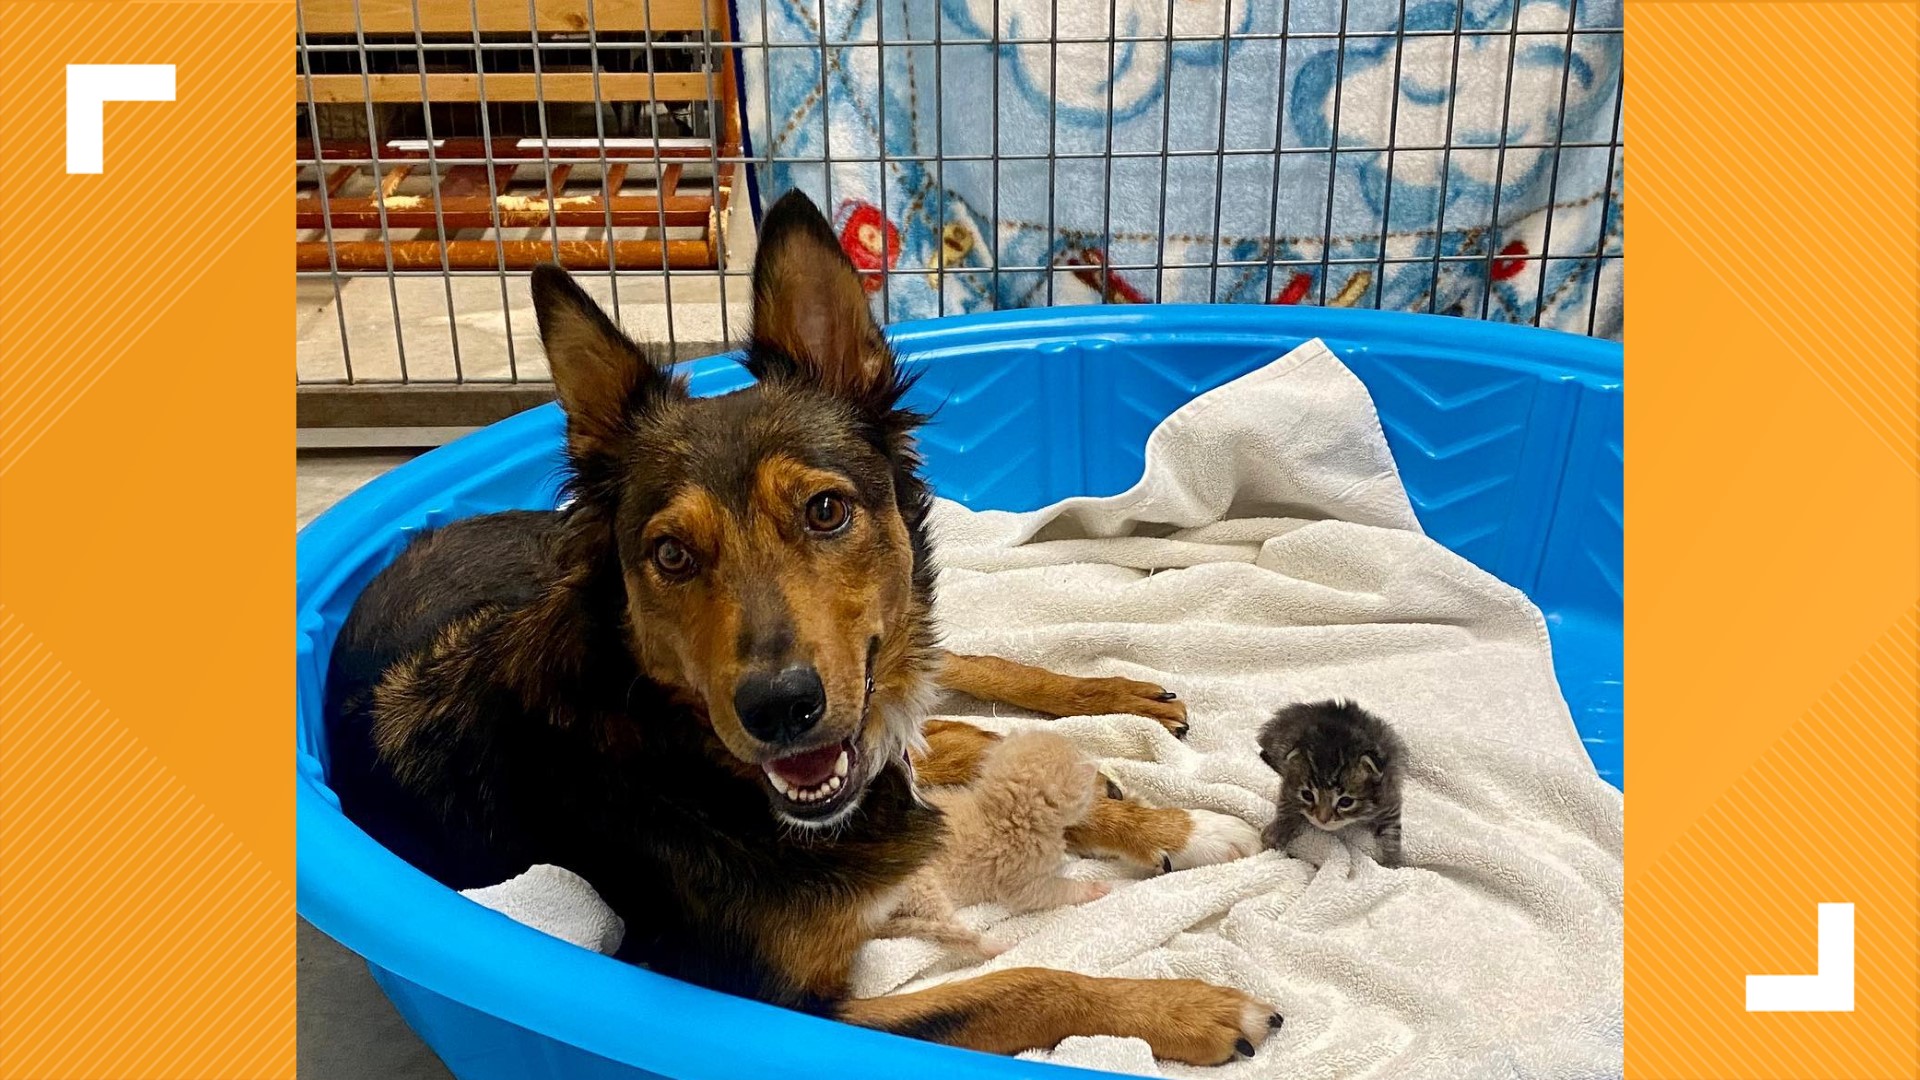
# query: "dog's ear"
[[601, 377], [810, 314]]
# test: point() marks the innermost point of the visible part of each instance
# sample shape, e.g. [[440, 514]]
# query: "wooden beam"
[[520, 254], [464, 405], [512, 212], [570, 86], [507, 16], [615, 149], [395, 175]]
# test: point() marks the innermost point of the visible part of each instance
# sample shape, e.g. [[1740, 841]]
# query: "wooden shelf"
[[450, 17], [446, 222], [558, 86]]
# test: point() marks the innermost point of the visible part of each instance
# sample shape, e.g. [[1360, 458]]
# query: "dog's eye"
[[827, 512], [672, 559]]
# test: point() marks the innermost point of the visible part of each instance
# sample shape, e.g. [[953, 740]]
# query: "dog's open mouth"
[[814, 785], [818, 787]]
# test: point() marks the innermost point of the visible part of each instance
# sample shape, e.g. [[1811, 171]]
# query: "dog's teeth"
[[823, 790], [779, 784]]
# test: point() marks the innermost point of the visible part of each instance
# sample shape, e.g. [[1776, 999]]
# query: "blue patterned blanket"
[[1408, 205]]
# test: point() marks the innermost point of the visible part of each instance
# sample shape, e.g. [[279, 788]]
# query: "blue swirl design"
[[1265, 219]]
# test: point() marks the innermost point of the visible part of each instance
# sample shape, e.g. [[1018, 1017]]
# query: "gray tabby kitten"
[[1339, 766]]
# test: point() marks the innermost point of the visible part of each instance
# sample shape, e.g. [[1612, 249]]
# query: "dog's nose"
[[780, 706]]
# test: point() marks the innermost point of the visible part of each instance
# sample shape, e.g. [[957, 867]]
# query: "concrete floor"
[[480, 326], [347, 1029]]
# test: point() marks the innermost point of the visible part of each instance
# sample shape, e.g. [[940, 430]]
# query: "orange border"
[[146, 824], [146, 552], [1771, 499]]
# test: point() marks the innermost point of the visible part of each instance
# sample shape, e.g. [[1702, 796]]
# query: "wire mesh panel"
[[1460, 157]]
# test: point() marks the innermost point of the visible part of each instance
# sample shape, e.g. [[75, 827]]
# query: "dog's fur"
[[561, 687]]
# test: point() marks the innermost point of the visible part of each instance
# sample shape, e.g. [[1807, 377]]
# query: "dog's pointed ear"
[[810, 314], [601, 377]]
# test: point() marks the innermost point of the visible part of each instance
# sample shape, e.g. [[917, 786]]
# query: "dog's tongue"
[[807, 770]]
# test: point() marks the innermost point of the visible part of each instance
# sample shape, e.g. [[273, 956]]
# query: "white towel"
[[556, 901], [1270, 555]]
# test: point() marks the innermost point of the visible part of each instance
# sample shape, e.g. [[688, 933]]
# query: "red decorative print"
[[1296, 290], [870, 240], [1510, 267], [1119, 291]]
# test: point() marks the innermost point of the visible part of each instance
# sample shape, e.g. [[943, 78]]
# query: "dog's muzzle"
[[819, 785]]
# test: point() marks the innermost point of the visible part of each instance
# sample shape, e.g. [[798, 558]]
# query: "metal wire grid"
[[639, 143]]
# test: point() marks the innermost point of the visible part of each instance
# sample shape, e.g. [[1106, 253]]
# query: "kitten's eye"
[[1345, 803], [1306, 795], [827, 513], [673, 559]]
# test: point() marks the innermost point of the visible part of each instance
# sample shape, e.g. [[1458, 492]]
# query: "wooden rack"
[[646, 184]]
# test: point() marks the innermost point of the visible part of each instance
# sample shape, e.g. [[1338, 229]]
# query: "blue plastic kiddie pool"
[[1508, 440]]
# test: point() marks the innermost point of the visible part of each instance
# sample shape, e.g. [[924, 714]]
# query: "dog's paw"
[[1098, 697], [1216, 838], [1189, 1021]]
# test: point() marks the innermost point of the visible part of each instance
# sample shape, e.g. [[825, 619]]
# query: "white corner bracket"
[[89, 88], [1831, 990]]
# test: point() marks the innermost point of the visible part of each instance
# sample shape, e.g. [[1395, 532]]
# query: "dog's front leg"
[[1006, 1012], [1168, 838], [990, 678]]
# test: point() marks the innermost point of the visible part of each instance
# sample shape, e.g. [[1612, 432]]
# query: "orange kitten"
[[1006, 832], [1006, 839]]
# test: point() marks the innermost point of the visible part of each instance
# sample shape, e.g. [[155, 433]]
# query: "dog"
[[701, 684]]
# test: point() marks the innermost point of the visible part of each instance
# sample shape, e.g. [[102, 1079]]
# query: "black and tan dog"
[[701, 685]]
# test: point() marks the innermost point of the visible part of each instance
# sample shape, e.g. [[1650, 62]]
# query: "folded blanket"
[[1269, 555], [556, 901]]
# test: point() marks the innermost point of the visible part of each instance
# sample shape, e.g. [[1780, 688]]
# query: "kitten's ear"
[[599, 374], [810, 314], [1367, 763]]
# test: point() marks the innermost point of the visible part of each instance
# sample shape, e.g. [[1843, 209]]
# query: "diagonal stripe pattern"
[[197, 145], [1803, 165], [1839, 783], [141, 938]]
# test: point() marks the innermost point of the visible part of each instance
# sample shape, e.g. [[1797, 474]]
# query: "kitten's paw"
[[1278, 834], [1216, 838], [1090, 891]]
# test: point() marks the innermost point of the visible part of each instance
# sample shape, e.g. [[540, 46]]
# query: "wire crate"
[[1457, 157]]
